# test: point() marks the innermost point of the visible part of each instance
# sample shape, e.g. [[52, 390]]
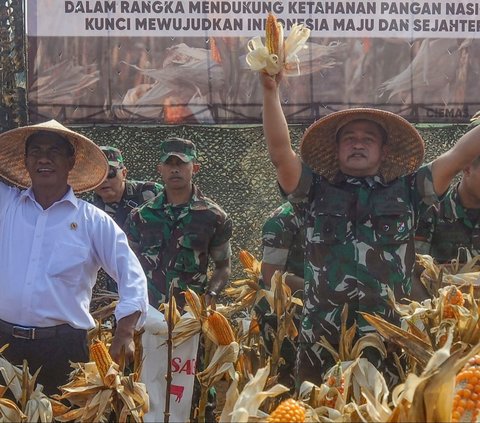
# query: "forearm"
[[295, 282], [287, 163], [445, 167]]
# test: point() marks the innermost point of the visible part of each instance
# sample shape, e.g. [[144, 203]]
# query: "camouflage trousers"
[[313, 362]]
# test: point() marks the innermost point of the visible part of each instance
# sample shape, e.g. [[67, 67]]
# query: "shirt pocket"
[[331, 219], [392, 223], [193, 249], [67, 262]]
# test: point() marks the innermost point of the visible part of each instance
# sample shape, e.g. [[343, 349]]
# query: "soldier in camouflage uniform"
[[176, 233], [359, 188], [118, 196], [283, 240], [454, 223]]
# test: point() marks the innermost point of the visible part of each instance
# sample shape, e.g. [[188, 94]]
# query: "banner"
[[154, 370], [183, 61]]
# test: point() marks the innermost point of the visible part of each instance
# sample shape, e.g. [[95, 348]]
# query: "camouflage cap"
[[114, 156], [182, 148]]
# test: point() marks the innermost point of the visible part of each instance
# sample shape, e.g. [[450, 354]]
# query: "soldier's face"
[[360, 148], [112, 188], [177, 174]]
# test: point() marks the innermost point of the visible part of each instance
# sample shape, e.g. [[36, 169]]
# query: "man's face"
[[360, 148], [177, 174], [48, 162], [112, 188]]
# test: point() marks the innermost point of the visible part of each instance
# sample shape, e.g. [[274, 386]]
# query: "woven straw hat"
[[406, 148], [90, 168]]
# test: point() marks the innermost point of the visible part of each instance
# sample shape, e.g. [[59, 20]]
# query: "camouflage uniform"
[[283, 238], [135, 194], [174, 243], [359, 241], [446, 227]]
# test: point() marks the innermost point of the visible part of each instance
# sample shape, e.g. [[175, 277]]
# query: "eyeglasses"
[[112, 172]]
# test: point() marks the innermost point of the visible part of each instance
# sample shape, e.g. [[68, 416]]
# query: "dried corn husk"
[[277, 55]]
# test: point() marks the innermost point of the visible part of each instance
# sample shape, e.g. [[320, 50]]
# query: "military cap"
[[113, 155], [182, 148]]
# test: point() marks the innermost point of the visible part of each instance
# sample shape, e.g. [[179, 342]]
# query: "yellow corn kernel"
[[100, 355], [272, 34], [218, 329], [288, 411]]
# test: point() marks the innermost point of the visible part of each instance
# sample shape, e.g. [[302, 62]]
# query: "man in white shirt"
[[52, 244]]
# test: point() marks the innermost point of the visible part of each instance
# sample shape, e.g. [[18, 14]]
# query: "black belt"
[[24, 332]]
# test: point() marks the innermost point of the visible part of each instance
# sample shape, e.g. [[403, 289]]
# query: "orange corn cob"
[[453, 297], [289, 410], [272, 34], [335, 380], [218, 327], [466, 400], [214, 52], [246, 259], [100, 355]]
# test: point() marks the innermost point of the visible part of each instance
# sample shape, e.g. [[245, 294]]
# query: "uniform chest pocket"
[[193, 249], [67, 262], [330, 229], [152, 235], [393, 224]]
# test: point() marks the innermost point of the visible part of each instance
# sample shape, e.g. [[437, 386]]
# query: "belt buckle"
[[23, 333]]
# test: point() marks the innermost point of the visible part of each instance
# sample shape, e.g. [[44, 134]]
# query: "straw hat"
[[90, 168], [406, 149]]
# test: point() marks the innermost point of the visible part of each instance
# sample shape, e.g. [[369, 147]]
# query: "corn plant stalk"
[[168, 376]]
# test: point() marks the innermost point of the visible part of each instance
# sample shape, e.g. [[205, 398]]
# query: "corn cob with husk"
[[218, 329], [102, 358], [277, 54], [466, 401]]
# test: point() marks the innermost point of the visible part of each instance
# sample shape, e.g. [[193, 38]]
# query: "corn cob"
[[214, 52], [246, 259], [453, 297], [466, 400], [335, 380], [218, 329], [288, 411], [272, 34], [100, 355]]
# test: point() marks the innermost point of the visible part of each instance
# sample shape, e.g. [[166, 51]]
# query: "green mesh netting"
[[235, 169]]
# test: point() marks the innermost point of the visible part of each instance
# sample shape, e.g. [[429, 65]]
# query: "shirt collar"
[[68, 197], [197, 201]]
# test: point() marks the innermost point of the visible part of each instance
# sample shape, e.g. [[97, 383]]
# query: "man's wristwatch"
[[211, 293]]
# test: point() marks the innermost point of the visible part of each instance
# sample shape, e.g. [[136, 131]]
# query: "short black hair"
[[51, 134]]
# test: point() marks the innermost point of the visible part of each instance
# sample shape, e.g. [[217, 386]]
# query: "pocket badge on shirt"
[[401, 227]]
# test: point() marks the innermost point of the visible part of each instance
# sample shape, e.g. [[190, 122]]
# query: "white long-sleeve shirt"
[[49, 261]]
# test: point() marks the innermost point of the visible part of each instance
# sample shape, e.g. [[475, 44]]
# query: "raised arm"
[[287, 164], [446, 166]]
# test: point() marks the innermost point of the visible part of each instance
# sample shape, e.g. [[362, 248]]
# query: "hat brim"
[[90, 167], [406, 148], [183, 157]]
